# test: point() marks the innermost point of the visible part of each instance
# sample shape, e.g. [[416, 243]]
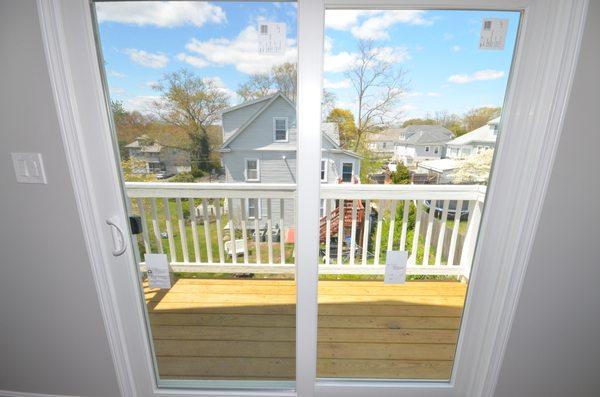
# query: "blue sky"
[[438, 50]]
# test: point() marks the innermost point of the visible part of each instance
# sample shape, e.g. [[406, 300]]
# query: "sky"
[[437, 50]]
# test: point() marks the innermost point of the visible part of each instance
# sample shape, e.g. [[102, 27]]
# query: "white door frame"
[[543, 69]]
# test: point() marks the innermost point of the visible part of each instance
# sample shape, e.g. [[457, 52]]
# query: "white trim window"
[[323, 173], [436, 149], [252, 170], [253, 208], [427, 148], [280, 129], [347, 172]]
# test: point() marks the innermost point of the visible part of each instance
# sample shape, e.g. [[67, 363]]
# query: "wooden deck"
[[245, 329]]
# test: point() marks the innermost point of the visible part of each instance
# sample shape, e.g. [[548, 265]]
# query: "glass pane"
[[412, 98], [194, 88]]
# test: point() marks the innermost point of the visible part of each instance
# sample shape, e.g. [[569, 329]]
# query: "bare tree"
[[282, 78], [193, 104], [378, 86], [258, 85]]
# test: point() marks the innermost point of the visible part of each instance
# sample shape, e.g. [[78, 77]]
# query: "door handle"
[[118, 238]]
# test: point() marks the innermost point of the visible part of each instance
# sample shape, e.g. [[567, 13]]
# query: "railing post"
[[468, 249]]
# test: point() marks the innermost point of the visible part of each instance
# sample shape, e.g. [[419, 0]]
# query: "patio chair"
[[239, 247]]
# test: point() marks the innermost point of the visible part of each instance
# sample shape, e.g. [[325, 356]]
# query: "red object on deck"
[[290, 236], [347, 216]]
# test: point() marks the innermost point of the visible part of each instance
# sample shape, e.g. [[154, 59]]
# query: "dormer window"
[[280, 129]]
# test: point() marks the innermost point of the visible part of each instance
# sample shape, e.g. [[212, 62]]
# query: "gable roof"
[[424, 134], [391, 134], [329, 130], [151, 147], [486, 133]]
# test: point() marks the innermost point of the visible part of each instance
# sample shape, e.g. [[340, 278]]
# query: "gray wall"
[[52, 339], [51, 335], [554, 344]]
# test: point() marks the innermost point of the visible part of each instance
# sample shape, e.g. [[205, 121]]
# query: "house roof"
[[391, 134], [486, 133], [424, 134], [440, 165], [153, 147], [329, 130]]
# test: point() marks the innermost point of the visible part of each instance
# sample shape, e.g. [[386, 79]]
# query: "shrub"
[[183, 177]]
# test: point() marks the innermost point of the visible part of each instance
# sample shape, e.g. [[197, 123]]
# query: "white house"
[[259, 146], [384, 143], [437, 171], [158, 158], [422, 142], [480, 139]]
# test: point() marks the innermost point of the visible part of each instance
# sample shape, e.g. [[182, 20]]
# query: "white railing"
[[376, 218]]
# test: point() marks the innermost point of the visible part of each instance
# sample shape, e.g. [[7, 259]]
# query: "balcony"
[[241, 323]]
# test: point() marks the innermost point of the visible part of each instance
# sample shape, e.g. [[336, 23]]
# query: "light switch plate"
[[29, 167]]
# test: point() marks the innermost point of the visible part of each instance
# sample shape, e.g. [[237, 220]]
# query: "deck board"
[[245, 329]]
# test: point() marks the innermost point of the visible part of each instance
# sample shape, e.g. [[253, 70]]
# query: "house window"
[[253, 208], [347, 171], [426, 148], [280, 127], [322, 207], [436, 150], [156, 167], [252, 172], [323, 170]]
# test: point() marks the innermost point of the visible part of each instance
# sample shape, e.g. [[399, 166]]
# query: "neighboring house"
[[259, 146], [384, 143], [422, 142], [158, 158], [436, 171], [482, 138]]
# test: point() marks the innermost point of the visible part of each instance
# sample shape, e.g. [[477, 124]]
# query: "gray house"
[[476, 141], [259, 146], [158, 158], [422, 142]]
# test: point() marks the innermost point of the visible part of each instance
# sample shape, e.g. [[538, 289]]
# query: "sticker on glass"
[[158, 271], [271, 38], [493, 34], [395, 267]]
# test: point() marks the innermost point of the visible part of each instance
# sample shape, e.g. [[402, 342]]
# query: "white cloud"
[[334, 85], [411, 94], [241, 52], [455, 48], [166, 14], [328, 45], [376, 27], [434, 94], [142, 103], [148, 59], [339, 62], [482, 75], [114, 73], [343, 19], [391, 54], [117, 90], [192, 60]]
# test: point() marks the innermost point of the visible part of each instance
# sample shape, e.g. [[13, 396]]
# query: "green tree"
[[418, 121], [193, 104], [478, 117], [345, 121], [401, 176]]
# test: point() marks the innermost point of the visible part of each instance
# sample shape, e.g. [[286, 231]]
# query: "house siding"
[[234, 119]]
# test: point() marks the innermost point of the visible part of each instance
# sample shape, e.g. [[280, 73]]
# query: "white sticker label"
[[395, 267], [158, 271], [493, 34], [271, 38]]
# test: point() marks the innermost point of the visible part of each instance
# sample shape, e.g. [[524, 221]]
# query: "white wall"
[[52, 339], [554, 345]]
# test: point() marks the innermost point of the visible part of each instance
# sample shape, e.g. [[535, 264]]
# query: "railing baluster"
[[182, 231], [155, 226], [172, 251], [244, 229], [145, 235], [432, 206], [378, 232], [415, 243], [405, 214], [257, 232], [439, 248], [219, 229], [281, 231], [207, 234], [328, 204], [457, 213], [269, 232], [231, 231], [367, 227], [353, 233], [390, 242], [341, 213], [194, 230]]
